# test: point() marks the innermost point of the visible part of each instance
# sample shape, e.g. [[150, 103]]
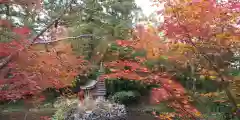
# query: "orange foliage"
[[207, 29], [200, 29], [51, 67], [150, 41], [135, 70], [33, 72], [125, 69], [201, 21], [173, 92], [30, 72]]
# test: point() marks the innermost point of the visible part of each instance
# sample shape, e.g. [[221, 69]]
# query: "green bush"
[[126, 97], [81, 80], [118, 85], [206, 85]]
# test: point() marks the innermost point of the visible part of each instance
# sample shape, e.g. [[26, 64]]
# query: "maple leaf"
[[22, 31]]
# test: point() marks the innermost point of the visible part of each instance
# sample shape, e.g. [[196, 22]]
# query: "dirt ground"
[[24, 115]]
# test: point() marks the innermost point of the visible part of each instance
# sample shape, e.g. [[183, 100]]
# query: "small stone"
[[100, 109]]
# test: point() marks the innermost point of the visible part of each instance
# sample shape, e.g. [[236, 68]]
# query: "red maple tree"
[[29, 72], [134, 69]]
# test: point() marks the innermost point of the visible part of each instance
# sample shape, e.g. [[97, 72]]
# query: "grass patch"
[[161, 107]]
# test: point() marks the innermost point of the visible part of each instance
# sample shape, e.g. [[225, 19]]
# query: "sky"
[[146, 6]]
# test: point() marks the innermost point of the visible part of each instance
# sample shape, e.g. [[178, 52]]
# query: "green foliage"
[[12, 106], [160, 62], [235, 73], [50, 94], [202, 85], [80, 80], [219, 116], [140, 53], [62, 106], [82, 48], [126, 97], [159, 108], [113, 47], [101, 19], [151, 63], [118, 85], [6, 35], [94, 74], [125, 53]]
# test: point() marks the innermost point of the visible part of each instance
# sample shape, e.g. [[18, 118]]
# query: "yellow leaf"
[[169, 10], [222, 35], [198, 114], [213, 77], [212, 72]]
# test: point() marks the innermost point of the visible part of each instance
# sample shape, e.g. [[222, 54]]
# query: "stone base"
[[97, 110]]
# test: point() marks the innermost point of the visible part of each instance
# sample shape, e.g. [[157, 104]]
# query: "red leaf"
[[235, 6], [22, 30]]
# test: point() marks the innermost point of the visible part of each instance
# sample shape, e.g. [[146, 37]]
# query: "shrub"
[[126, 97], [117, 85]]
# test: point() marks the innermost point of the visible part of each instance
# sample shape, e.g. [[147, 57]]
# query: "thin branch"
[[6, 60], [80, 36]]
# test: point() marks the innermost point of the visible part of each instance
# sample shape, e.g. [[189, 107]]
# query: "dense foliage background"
[[187, 67]]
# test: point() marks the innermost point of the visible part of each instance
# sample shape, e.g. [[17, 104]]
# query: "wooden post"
[[81, 95]]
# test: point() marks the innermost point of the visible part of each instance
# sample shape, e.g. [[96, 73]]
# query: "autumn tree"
[[27, 72], [205, 34], [131, 64]]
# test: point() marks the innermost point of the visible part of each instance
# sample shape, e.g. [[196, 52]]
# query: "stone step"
[[101, 91], [100, 94], [100, 83], [101, 88]]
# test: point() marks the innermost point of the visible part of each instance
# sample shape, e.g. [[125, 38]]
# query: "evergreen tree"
[[106, 20]]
